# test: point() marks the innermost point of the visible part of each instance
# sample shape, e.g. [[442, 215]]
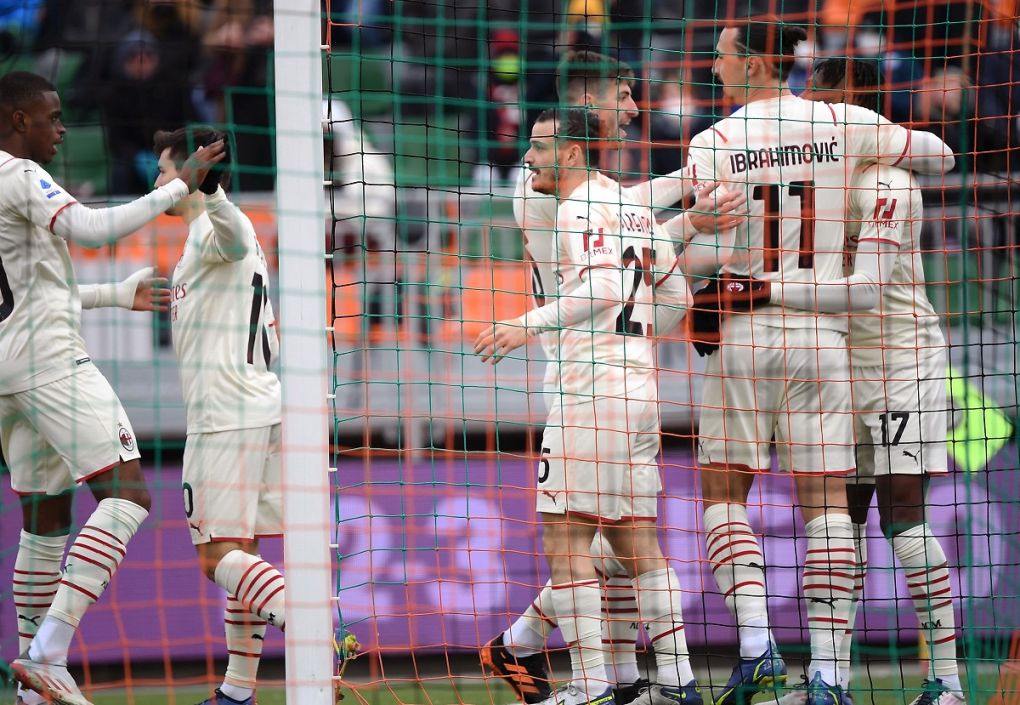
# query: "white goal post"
[[302, 281]]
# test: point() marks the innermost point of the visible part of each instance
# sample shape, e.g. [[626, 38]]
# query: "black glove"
[[220, 173], [721, 296]]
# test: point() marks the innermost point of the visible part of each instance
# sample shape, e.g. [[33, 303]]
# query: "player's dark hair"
[[185, 140], [575, 125], [19, 88], [771, 37], [581, 72], [863, 83]]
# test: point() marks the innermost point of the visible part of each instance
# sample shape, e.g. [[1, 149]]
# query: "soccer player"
[[898, 361], [782, 374], [598, 468], [224, 333], [603, 84], [53, 400]]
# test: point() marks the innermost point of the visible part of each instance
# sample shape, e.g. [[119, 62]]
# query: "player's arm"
[[662, 191], [139, 292], [871, 136], [229, 241], [95, 227], [882, 231], [671, 295]]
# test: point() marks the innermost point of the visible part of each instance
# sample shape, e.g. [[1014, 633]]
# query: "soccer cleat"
[[797, 695], [219, 698], [625, 693], [752, 675], [527, 675], [52, 682], [689, 694], [572, 695], [821, 693], [935, 692]]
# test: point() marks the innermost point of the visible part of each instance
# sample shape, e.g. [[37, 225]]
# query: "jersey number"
[[771, 195], [902, 417], [642, 272], [259, 298]]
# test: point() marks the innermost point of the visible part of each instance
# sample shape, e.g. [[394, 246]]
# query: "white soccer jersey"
[[40, 312], [224, 332], [612, 353], [536, 217], [794, 158], [885, 204]]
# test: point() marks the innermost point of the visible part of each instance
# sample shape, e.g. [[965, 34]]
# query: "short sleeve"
[[588, 235], [35, 196]]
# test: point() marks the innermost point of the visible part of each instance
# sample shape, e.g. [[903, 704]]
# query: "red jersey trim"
[[584, 270], [721, 135], [62, 209], [668, 274], [887, 241], [906, 147]]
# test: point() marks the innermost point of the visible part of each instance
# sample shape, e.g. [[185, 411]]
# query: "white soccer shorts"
[[600, 459], [900, 418], [787, 385], [233, 486], [64, 432]]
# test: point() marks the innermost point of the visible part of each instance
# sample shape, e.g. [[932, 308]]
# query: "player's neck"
[[194, 207], [757, 93], [569, 183]]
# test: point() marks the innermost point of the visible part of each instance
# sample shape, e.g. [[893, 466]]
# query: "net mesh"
[[427, 107]]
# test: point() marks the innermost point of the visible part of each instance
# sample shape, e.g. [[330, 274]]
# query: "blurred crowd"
[[142, 65]]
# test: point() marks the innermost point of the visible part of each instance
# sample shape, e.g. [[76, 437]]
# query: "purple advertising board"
[[441, 554]]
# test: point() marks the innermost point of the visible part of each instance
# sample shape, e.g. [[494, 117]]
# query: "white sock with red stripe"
[[860, 572], [528, 634], [620, 621], [255, 584], [829, 570], [739, 569], [659, 603], [91, 563], [578, 612], [245, 633], [36, 578], [924, 562]]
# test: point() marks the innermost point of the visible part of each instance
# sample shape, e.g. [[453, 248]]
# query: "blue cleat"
[[751, 676], [689, 694], [821, 693], [219, 698]]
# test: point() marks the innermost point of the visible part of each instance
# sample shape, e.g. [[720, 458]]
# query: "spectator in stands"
[[19, 22], [973, 121], [143, 93], [675, 118], [497, 127], [237, 43]]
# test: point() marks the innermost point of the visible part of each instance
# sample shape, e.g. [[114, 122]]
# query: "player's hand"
[[499, 340], [717, 210], [152, 294], [219, 175], [197, 166]]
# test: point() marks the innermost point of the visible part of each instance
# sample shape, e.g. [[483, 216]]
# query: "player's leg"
[[94, 437], [914, 448], [231, 492], [620, 622], [636, 544], [44, 485], [815, 438], [735, 427], [859, 495]]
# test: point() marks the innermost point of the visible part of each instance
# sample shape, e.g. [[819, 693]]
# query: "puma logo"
[[258, 636], [830, 601], [912, 456], [757, 566], [550, 495], [31, 620]]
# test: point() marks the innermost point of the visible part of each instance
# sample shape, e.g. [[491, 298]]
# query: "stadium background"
[[427, 105]]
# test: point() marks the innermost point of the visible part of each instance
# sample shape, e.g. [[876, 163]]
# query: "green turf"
[[885, 690]]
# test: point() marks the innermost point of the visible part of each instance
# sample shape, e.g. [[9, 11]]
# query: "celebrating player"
[[603, 84], [224, 334], [898, 362], [53, 400], [599, 448], [781, 373]]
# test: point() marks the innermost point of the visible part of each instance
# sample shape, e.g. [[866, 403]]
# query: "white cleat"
[[52, 682], [935, 692], [571, 695]]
